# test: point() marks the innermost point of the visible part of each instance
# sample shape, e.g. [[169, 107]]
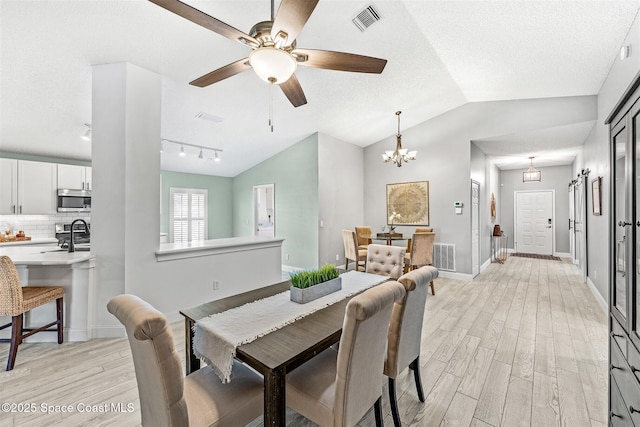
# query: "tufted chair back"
[[385, 260]]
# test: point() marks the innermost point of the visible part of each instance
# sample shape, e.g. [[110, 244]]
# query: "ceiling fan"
[[275, 57]]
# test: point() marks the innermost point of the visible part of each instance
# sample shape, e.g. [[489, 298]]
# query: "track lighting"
[[182, 153], [87, 133]]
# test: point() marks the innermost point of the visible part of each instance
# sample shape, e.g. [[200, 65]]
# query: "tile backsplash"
[[38, 226]]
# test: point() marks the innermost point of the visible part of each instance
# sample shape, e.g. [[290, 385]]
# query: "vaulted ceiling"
[[441, 54]]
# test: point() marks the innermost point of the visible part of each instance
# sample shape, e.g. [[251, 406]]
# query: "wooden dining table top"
[[278, 352]]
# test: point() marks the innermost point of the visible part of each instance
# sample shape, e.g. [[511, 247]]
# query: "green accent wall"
[[294, 172], [219, 199]]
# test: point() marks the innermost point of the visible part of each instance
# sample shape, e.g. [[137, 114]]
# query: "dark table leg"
[[191, 361], [275, 403]]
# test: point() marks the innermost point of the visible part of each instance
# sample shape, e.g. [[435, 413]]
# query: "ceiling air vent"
[[366, 17], [209, 117]]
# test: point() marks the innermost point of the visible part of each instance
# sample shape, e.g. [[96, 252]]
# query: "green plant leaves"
[[307, 278]]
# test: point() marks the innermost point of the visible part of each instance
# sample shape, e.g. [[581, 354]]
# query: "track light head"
[[87, 133]]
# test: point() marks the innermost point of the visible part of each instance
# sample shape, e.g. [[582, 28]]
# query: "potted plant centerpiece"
[[308, 285]]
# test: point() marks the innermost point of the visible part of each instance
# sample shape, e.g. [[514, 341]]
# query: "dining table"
[[277, 352], [388, 237]]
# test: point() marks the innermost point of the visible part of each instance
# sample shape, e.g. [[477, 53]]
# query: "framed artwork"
[[408, 203], [596, 196]]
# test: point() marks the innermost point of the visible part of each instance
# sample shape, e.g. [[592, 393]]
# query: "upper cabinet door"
[[71, 177], [37, 184], [8, 186], [622, 222]]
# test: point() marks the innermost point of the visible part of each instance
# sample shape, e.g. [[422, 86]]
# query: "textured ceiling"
[[441, 55]]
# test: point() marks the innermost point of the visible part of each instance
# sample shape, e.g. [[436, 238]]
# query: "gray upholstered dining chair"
[[418, 230], [336, 388], [421, 253], [167, 398], [361, 231], [351, 251], [405, 333], [385, 260]]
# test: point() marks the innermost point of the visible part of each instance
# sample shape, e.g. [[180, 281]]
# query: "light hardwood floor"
[[525, 343]]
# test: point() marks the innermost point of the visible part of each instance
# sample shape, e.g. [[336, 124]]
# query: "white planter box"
[[303, 296]]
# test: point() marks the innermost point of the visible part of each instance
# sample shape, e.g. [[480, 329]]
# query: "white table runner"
[[216, 337]]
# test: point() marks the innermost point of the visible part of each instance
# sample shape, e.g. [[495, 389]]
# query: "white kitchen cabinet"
[[27, 187], [74, 177], [8, 186], [37, 185]]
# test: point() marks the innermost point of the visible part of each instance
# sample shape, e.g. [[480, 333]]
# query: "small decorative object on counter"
[[308, 285]]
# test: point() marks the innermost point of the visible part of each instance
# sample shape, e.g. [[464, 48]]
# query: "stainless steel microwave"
[[74, 200]]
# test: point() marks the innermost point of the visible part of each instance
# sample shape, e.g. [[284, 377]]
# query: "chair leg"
[[16, 339], [433, 289], [393, 401], [346, 263], [377, 409], [60, 313], [415, 367]]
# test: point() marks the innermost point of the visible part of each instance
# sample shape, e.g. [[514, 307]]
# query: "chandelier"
[[532, 174], [400, 154]]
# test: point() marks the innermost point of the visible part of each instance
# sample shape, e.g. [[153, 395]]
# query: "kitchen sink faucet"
[[72, 247]]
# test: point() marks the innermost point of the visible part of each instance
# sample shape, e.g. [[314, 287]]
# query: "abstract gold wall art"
[[409, 201]]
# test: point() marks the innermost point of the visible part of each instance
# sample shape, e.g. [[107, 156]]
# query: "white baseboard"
[[486, 264], [455, 276], [603, 304], [109, 332], [562, 254]]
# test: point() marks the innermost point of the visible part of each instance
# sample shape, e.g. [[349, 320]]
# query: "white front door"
[[534, 222], [475, 228]]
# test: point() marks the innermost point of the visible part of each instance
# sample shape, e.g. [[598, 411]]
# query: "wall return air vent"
[[367, 17]]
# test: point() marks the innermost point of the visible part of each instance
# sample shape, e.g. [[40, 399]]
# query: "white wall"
[[595, 156], [341, 201]]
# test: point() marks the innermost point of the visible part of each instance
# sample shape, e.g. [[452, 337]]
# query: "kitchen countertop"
[[34, 241], [49, 254]]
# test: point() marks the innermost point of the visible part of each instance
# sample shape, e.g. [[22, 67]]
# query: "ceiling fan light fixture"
[[273, 65]]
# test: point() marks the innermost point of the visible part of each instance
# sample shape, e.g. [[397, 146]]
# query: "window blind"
[[188, 214]]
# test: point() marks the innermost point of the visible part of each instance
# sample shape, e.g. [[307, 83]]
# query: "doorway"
[[264, 212], [579, 226], [534, 222], [475, 228]]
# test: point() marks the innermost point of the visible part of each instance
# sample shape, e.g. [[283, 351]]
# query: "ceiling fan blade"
[[293, 91], [291, 17], [222, 73], [209, 22], [340, 61]]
